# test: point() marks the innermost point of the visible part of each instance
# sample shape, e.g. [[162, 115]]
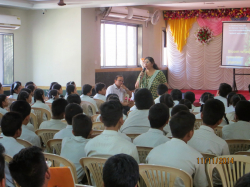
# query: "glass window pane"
[[110, 44], [121, 45], [102, 38], [8, 59], [132, 38]]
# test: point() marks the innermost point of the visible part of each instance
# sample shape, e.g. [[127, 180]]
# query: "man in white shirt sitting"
[[100, 89], [86, 93], [58, 113], [73, 147], [241, 128], [224, 90], [70, 111], [110, 142], [137, 121], [176, 153], [176, 95], [161, 89], [24, 109], [158, 118]]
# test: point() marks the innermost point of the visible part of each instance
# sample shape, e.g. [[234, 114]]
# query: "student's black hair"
[[162, 89], [99, 86], [158, 115], [186, 102], [21, 107], [190, 96], [229, 98], [143, 99], [52, 93], [213, 111], [117, 76], [82, 125], [28, 167], [111, 112], [11, 122], [14, 86], [242, 110], [111, 95], [178, 108], [31, 87], [70, 88], [70, 83], [1, 85], [224, 89], [150, 59], [112, 98], [56, 87], [74, 98], [26, 90], [58, 107], [120, 170], [71, 110], [181, 123], [2, 162], [38, 95], [236, 98], [52, 84], [29, 83], [2, 99], [22, 96], [86, 88], [176, 94], [18, 82], [167, 100], [244, 181], [204, 97]]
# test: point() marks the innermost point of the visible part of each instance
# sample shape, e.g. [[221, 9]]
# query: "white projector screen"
[[236, 44]]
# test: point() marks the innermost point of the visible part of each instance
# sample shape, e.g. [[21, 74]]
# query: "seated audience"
[[120, 170], [86, 93], [73, 147], [1, 88], [24, 109], [51, 85], [137, 121], [58, 87], [187, 103], [70, 89], [185, 157], [74, 98], [70, 111], [176, 95], [2, 166], [168, 101], [158, 118], [224, 90], [58, 112], [32, 88], [230, 107], [241, 128], [244, 181], [100, 89], [3, 104], [15, 90], [30, 83], [204, 97], [53, 95], [161, 89], [29, 169], [234, 100], [191, 97], [11, 126], [110, 142]]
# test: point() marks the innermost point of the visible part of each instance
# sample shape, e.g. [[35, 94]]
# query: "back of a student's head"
[[244, 181], [28, 83], [112, 95], [121, 170], [86, 88], [70, 89], [143, 99], [242, 111], [236, 98], [71, 110], [176, 94], [26, 90], [206, 96], [224, 89], [11, 124], [31, 87], [167, 100], [82, 125], [190, 96], [56, 86], [99, 87], [186, 102], [21, 107], [158, 115], [58, 107], [74, 98], [111, 113], [53, 94], [39, 95], [178, 108], [162, 89], [70, 83], [2, 166], [52, 84], [24, 96], [29, 169], [229, 98], [181, 124], [213, 112]]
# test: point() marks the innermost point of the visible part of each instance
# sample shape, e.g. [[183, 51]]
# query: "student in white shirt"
[[58, 113], [224, 90], [32, 88], [110, 142], [241, 128], [120, 170], [3, 104], [70, 89], [158, 118], [70, 111], [230, 107], [204, 97], [24, 109], [176, 95], [58, 87], [2, 166], [86, 93], [73, 147], [234, 100], [161, 89], [74, 98], [191, 97], [100, 89], [14, 90], [53, 95], [176, 153], [11, 125], [1, 88], [137, 121], [29, 168]]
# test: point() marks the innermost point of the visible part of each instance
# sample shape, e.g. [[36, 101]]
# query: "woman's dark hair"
[[70, 88], [29, 83], [150, 59], [186, 102], [22, 96], [224, 89], [236, 98], [86, 88], [14, 87], [143, 99], [52, 93], [229, 98], [2, 99], [31, 87], [38, 95], [26, 90], [52, 84], [167, 100], [204, 97], [56, 87]]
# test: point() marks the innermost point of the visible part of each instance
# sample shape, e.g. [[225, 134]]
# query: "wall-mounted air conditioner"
[[10, 22]]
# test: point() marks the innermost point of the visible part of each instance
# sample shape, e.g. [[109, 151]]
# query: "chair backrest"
[[7, 158], [24, 143], [132, 136], [88, 108], [236, 145], [197, 124], [207, 157], [93, 118], [56, 145], [57, 161], [46, 135], [229, 167], [218, 131], [98, 126], [39, 112], [95, 167], [10, 101], [64, 121], [49, 104], [143, 153], [247, 153], [99, 103], [154, 175], [33, 120]]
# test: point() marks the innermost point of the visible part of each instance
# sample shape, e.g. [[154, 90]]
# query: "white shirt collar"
[[152, 130], [110, 132], [38, 101], [69, 127], [116, 87], [179, 141], [9, 138], [206, 128], [24, 127]]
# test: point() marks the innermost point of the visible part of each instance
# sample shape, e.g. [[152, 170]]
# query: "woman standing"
[[151, 77]]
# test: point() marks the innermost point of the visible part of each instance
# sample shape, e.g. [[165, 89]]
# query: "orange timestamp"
[[216, 160]]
